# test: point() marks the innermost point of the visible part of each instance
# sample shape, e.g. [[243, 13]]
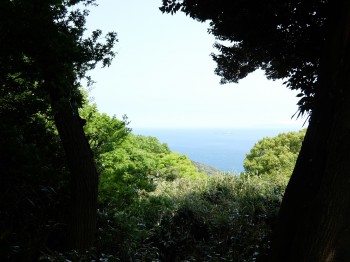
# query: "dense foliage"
[[154, 205], [275, 155], [34, 179], [44, 54], [43, 51]]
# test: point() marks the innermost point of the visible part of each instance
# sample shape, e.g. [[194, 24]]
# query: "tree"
[[274, 155], [307, 43], [43, 52], [104, 133]]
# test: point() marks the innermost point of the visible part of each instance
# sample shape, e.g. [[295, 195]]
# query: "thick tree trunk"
[[315, 213], [84, 177]]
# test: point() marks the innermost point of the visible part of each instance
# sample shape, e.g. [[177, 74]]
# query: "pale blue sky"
[[163, 75]]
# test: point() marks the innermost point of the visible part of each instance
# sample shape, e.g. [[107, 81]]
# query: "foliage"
[[130, 166], [284, 38], [103, 132], [43, 55], [128, 163], [44, 40], [217, 218], [154, 205], [307, 44], [275, 156], [209, 170], [225, 218], [34, 179]]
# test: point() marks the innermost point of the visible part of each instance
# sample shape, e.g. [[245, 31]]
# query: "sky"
[[163, 75]]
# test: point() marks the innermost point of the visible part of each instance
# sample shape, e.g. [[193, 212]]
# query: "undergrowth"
[[218, 218]]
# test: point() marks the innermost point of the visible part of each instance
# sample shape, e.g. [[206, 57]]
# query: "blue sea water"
[[224, 149]]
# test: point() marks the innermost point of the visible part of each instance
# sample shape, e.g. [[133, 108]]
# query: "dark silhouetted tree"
[[43, 52]]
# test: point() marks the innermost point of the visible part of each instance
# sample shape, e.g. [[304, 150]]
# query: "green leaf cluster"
[[129, 164], [274, 155]]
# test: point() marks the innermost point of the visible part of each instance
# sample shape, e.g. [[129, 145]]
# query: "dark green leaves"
[[284, 38]]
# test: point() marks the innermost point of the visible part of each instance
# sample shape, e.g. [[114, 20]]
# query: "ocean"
[[224, 149]]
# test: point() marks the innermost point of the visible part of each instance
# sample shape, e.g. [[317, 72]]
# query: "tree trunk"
[[84, 176], [315, 213]]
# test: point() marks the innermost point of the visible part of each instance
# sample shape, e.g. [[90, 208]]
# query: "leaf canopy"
[[284, 38]]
